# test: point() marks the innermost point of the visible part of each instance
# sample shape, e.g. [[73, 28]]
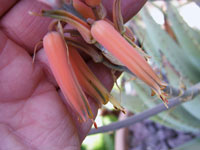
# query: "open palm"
[[33, 112]]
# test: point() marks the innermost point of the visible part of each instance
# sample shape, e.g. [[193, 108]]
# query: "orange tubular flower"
[[83, 9], [88, 80], [107, 36], [93, 3], [56, 52]]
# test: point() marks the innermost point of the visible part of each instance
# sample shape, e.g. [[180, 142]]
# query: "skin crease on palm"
[[33, 114]]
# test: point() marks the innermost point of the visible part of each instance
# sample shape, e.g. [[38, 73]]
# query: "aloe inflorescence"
[[106, 41]]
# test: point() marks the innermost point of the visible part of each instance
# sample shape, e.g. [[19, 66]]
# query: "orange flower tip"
[[162, 84], [132, 79], [94, 123], [165, 94], [166, 106], [152, 93], [147, 57], [162, 87], [115, 107], [164, 99], [124, 111], [121, 108]]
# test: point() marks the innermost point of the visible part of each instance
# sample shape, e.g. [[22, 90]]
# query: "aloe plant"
[[178, 60]]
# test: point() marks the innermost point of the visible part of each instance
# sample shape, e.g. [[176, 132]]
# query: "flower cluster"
[[106, 42]]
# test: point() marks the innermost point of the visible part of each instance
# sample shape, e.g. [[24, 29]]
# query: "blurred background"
[[169, 32]]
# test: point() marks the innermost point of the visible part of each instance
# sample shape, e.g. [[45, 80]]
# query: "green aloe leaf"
[[173, 52], [189, 43], [175, 56], [139, 28]]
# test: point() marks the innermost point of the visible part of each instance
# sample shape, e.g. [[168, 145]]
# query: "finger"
[[129, 8], [23, 28], [6, 138], [41, 59], [6, 5]]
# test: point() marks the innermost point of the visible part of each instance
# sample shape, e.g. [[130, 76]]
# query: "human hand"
[[32, 112]]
